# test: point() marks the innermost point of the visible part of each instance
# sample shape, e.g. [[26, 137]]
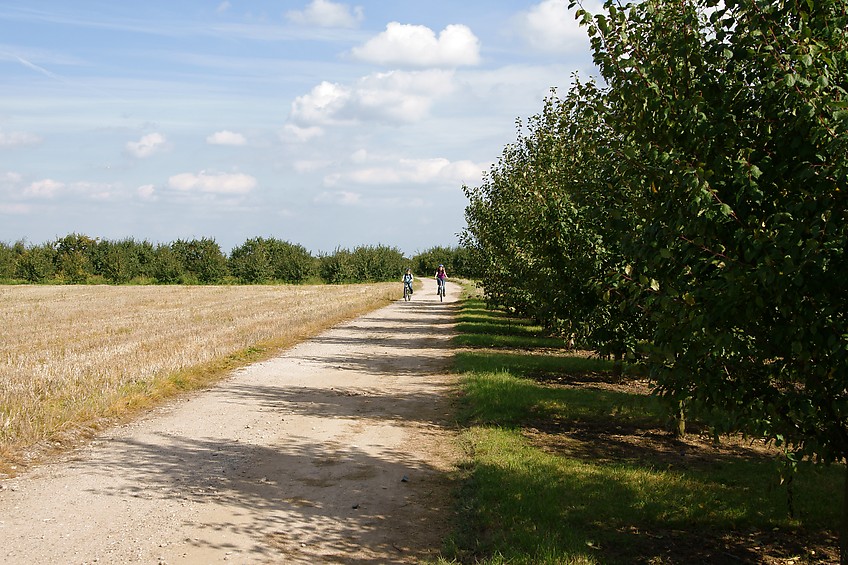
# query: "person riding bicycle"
[[441, 275], [407, 281]]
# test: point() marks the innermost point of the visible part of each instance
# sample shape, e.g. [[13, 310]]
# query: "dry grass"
[[75, 357]]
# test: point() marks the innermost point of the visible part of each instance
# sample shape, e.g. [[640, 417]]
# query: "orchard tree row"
[[80, 259], [690, 211]]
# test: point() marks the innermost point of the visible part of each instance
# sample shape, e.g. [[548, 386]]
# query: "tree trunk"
[[617, 367], [680, 421], [843, 529]]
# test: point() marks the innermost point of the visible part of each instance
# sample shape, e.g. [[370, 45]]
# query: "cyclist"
[[407, 284], [441, 275]]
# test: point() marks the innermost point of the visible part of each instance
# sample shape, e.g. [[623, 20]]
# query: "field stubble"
[[75, 357]]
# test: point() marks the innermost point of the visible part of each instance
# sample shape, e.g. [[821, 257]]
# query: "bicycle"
[[407, 291], [441, 289]]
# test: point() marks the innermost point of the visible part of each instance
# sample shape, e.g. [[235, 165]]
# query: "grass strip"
[[565, 466]]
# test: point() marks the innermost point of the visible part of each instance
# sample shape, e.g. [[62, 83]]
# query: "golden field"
[[74, 357]]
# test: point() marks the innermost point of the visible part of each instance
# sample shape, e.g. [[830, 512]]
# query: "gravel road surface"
[[337, 451]]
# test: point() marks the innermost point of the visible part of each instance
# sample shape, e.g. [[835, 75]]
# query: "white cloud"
[[217, 183], [306, 166], [550, 26], [16, 139], [323, 13], [223, 7], [147, 192], [396, 97], [11, 178], [341, 197], [359, 156], [302, 134], [322, 104], [146, 146], [412, 171], [418, 46], [94, 190], [226, 138], [46, 188]]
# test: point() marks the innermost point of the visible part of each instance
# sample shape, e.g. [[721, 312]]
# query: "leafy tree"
[[201, 259], [291, 263], [541, 230], [166, 268], [457, 261], [251, 261], [363, 264], [121, 261], [145, 254], [736, 128], [336, 268], [8, 260], [37, 264], [260, 259], [73, 257], [378, 263]]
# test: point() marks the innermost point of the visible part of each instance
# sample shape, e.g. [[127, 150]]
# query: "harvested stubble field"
[[75, 357]]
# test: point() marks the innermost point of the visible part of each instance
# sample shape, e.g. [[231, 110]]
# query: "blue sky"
[[328, 124]]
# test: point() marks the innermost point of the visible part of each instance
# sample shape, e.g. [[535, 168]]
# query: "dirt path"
[[335, 452]]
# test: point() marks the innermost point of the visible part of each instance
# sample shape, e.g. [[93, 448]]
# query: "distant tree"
[[336, 268], [363, 264], [250, 262], [37, 264], [73, 257], [121, 261], [202, 259], [166, 267], [8, 260], [377, 263], [291, 263], [457, 261]]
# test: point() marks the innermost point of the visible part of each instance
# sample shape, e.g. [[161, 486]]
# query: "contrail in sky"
[[35, 67]]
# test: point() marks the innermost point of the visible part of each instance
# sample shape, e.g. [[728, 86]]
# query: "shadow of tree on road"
[[285, 491]]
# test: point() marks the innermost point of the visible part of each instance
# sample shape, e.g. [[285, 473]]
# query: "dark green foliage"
[[73, 257], [379, 263], [541, 230], [457, 261], [737, 132], [693, 210], [36, 264], [166, 267], [120, 262], [291, 263], [78, 258], [8, 260], [336, 268], [363, 264], [201, 259], [251, 262]]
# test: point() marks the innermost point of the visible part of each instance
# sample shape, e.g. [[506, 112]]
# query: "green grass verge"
[[557, 474]]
